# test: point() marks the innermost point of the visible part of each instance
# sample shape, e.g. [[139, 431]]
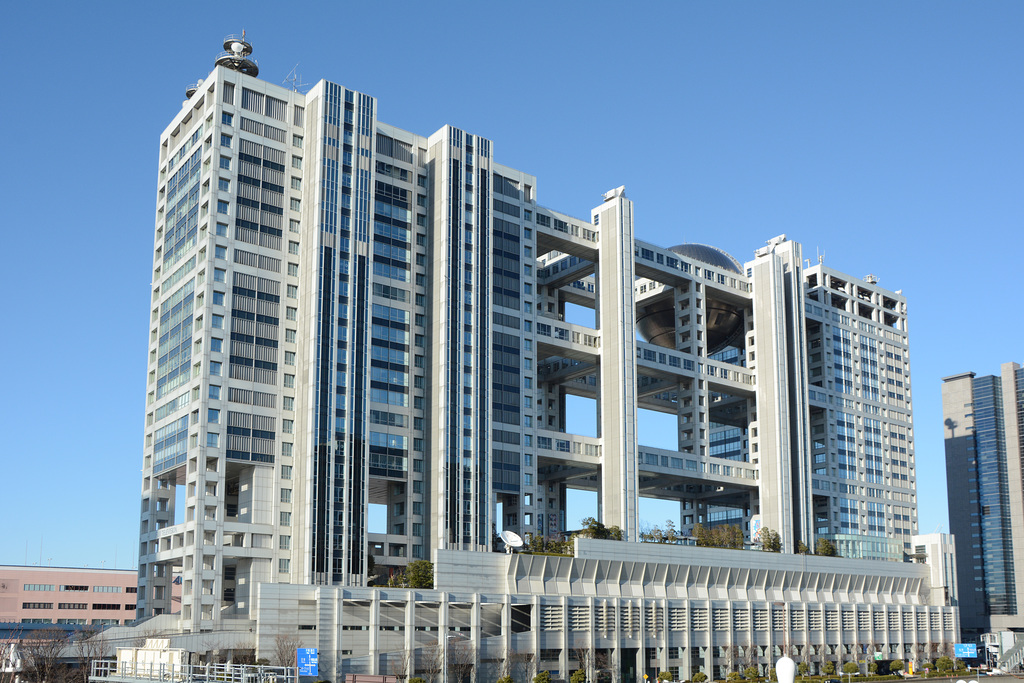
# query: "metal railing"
[[214, 673]]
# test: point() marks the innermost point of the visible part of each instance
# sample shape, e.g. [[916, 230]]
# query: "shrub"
[[750, 672], [851, 668], [896, 665], [578, 676], [733, 677], [699, 677], [664, 675], [542, 677], [420, 574]]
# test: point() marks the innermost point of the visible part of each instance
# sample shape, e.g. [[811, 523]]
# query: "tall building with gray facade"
[[983, 419], [346, 314]]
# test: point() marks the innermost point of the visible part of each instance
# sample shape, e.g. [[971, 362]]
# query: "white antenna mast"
[[294, 80]]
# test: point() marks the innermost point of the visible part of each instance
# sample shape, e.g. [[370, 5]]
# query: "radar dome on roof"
[[713, 256]]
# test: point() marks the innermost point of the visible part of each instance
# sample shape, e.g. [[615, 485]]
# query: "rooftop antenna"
[[295, 80], [236, 55], [821, 256]]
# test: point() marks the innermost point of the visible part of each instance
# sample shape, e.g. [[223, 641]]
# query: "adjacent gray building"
[[983, 420]]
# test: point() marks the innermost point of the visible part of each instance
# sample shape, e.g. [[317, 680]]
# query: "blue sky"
[[887, 136]]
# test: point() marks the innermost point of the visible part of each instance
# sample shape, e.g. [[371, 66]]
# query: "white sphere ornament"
[[785, 670]]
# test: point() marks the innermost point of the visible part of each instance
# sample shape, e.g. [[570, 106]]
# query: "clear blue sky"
[[886, 135]]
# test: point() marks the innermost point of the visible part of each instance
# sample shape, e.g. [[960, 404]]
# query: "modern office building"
[[938, 551], [67, 596], [984, 419], [348, 317]]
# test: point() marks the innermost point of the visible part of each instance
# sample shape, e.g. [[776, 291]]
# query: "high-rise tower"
[[355, 325], [984, 419]]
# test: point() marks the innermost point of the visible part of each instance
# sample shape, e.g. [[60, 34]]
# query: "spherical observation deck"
[[724, 321]]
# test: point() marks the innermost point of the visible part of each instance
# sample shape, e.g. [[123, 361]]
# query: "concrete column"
[[616, 313], [783, 437]]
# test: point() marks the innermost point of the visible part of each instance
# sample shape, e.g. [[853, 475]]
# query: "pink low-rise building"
[[66, 595]]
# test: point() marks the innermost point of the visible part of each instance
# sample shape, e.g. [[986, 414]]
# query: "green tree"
[[828, 668], [825, 547], [873, 667], [750, 672], [595, 529], [896, 665], [664, 675], [504, 679], [959, 665], [944, 664], [542, 677], [803, 667], [699, 677], [578, 676], [771, 541], [851, 668], [417, 679], [802, 548], [733, 677], [420, 574], [721, 536]]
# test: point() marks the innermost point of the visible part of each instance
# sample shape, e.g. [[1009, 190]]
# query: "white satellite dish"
[[511, 539], [237, 46]]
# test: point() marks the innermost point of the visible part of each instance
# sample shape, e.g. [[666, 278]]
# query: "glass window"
[[219, 275], [296, 183], [293, 292], [215, 345], [286, 471], [223, 184], [218, 298], [286, 495], [225, 140], [222, 206], [220, 252], [295, 204], [214, 392], [222, 230], [293, 269], [213, 416], [225, 163], [212, 440], [293, 247], [217, 322], [289, 336], [284, 565], [296, 162], [226, 118], [215, 368], [297, 141], [286, 519], [289, 358]]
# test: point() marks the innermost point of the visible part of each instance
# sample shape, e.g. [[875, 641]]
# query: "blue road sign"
[[965, 651], [308, 658]]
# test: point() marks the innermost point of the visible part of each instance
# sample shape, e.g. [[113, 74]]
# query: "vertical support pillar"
[[616, 312]]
